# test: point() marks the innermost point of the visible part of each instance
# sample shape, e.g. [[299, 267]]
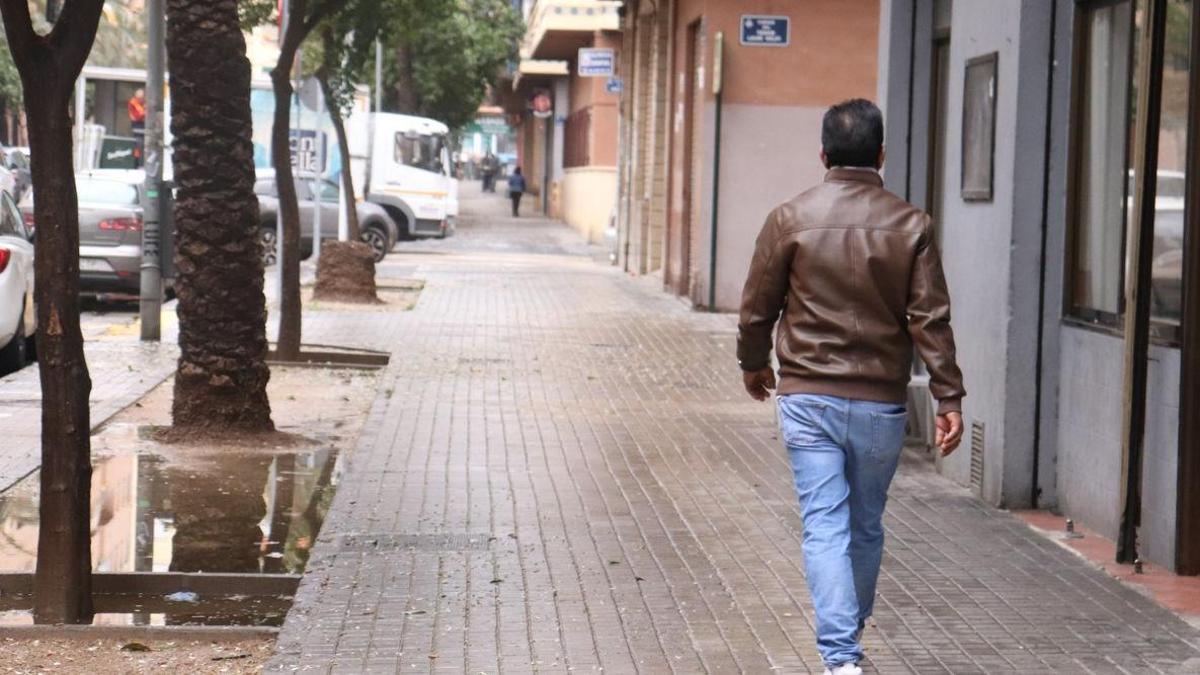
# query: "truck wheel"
[[13, 356], [269, 239]]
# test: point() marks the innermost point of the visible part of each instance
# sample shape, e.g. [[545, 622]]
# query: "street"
[[562, 472]]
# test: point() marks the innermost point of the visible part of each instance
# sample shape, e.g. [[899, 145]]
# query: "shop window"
[[1104, 127]]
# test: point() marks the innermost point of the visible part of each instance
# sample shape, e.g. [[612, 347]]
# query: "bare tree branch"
[[18, 26], [74, 32]]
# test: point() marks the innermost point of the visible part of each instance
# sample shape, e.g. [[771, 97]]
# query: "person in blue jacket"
[[516, 188]]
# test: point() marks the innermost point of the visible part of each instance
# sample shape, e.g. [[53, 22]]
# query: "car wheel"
[[268, 238], [13, 356], [378, 241]]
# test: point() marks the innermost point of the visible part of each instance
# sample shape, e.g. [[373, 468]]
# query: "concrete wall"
[[976, 236], [1089, 439], [589, 196]]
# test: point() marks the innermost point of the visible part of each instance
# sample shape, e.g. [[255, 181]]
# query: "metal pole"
[[150, 302], [1140, 252], [718, 64], [378, 76]]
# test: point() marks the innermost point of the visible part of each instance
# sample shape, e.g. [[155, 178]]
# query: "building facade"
[[1044, 136], [721, 111], [565, 109]]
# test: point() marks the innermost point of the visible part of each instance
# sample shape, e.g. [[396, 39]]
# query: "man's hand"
[[949, 432], [759, 383]]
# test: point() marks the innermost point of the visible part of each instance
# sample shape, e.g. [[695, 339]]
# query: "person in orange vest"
[[137, 121]]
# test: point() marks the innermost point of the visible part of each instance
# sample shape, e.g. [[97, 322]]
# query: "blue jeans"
[[843, 454]]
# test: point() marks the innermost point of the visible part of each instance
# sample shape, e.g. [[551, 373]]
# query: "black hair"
[[852, 133]]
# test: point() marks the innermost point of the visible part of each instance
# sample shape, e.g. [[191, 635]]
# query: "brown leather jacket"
[[856, 273]]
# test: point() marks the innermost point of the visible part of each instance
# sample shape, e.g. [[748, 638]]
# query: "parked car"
[[110, 231], [17, 316], [378, 229]]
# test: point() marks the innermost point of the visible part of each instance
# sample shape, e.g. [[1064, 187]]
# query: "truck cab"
[[407, 170]]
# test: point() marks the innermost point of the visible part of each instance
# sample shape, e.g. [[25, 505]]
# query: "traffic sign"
[[596, 62], [760, 30], [613, 85]]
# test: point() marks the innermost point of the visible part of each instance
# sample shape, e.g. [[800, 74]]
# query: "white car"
[[17, 318]]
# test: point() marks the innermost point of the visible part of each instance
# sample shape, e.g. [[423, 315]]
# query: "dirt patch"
[[104, 656], [394, 295], [346, 273]]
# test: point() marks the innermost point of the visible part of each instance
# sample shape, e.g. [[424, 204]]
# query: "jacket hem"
[[881, 392]]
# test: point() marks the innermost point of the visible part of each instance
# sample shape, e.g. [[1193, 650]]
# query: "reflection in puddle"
[[246, 511]]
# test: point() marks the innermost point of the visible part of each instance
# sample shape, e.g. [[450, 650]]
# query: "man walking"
[[855, 272]]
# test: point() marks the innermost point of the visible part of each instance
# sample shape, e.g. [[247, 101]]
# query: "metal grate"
[[977, 441]]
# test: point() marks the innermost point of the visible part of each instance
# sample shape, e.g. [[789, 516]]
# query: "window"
[[329, 191], [421, 151], [1104, 179], [95, 191]]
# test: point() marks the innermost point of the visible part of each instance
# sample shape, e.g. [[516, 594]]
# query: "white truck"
[[402, 163]]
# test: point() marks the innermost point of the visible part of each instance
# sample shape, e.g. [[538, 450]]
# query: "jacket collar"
[[854, 174]]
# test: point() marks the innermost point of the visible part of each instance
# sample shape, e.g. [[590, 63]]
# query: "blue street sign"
[[613, 85], [765, 31]]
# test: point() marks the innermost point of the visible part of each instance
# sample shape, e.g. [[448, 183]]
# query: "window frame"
[[1090, 318]]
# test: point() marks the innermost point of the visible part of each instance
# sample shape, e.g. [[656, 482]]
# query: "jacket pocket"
[[802, 422], [887, 435]]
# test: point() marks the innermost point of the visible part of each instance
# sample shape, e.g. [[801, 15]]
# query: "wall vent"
[[977, 440]]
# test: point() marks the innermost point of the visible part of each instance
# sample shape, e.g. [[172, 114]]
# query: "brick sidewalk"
[[561, 473], [122, 370]]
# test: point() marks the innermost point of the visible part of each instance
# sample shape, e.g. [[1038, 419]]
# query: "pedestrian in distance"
[[849, 275], [490, 167], [516, 188]]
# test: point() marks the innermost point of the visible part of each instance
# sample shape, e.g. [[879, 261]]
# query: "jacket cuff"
[[949, 405]]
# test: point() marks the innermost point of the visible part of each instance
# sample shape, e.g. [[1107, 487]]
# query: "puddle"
[[141, 610], [247, 512], [199, 508]]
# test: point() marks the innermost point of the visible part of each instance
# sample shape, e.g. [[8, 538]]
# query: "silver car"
[[378, 229], [110, 230]]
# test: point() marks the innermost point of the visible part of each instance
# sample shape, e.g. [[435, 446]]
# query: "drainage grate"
[[417, 542], [977, 440]]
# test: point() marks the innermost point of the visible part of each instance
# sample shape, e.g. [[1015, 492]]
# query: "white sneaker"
[[845, 669]]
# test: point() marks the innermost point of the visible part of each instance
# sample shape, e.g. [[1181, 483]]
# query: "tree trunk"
[[49, 66], [64, 563], [406, 91], [288, 344], [339, 127], [221, 380]]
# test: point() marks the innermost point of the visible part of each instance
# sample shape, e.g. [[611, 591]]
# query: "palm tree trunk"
[[221, 381]]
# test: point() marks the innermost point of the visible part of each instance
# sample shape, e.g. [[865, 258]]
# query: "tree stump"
[[346, 273]]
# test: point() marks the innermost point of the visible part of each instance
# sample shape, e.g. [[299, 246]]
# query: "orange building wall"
[[772, 98]]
